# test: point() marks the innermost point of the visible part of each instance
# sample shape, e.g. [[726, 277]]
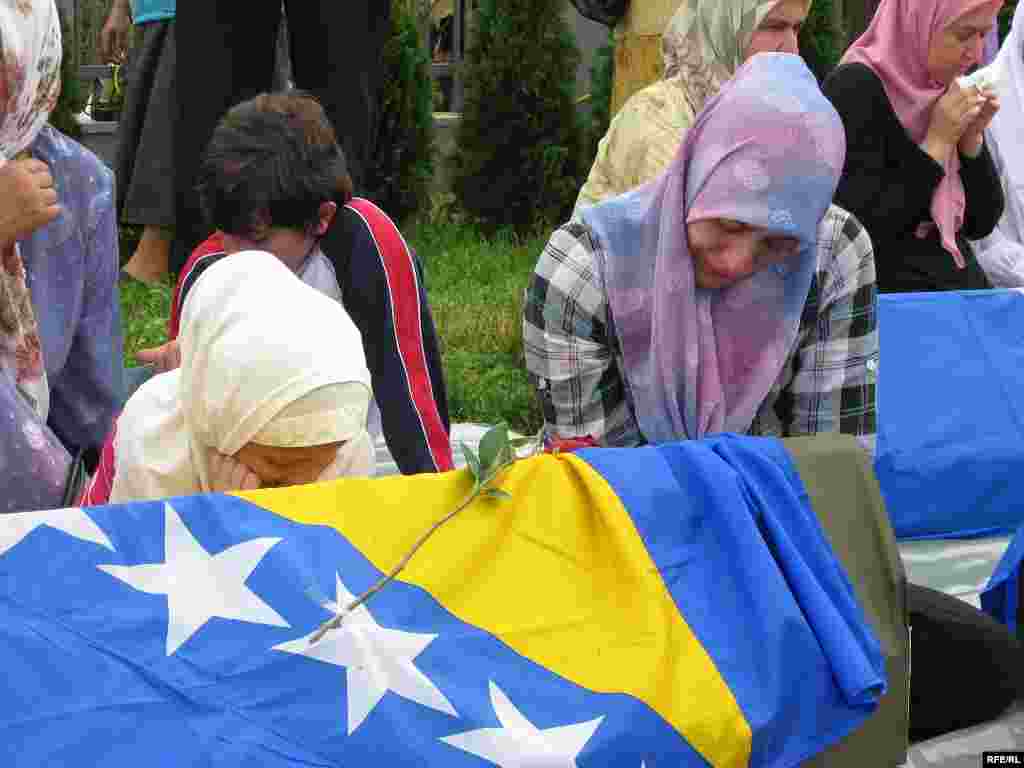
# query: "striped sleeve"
[[97, 491], [205, 254], [383, 292]]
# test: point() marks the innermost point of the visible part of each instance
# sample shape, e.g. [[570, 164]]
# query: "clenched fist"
[[28, 199]]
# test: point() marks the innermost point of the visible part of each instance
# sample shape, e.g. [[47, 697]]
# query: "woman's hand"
[[113, 43], [974, 136], [28, 199], [228, 474], [952, 115]]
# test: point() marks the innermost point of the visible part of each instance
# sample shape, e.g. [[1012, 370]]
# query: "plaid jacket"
[[827, 385]]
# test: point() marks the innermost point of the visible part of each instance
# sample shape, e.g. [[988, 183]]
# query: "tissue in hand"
[[984, 79]]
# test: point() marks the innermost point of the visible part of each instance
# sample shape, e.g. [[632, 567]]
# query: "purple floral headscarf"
[[767, 151]]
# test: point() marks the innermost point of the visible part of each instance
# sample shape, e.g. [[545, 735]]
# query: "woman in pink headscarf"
[[917, 173]]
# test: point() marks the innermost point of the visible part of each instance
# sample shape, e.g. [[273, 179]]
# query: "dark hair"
[[271, 162]]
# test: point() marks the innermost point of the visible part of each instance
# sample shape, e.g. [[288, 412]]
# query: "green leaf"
[[498, 494], [471, 460], [494, 448]]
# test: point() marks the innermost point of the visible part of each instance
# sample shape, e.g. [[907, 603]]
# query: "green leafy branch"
[[497, 453]]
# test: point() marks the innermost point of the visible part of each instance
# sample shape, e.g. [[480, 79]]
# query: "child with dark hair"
[[274, 179]]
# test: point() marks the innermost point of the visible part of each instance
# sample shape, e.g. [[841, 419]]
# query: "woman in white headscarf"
[[261, 399], [703, 45], [1001, 254]]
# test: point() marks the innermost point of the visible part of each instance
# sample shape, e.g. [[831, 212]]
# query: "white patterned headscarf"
[[30, 81], [30, 54], [704, 43]]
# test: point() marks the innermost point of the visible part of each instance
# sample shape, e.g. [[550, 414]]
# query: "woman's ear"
[[325, 217]]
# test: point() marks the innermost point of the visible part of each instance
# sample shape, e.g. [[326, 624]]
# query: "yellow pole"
[[638, 58]]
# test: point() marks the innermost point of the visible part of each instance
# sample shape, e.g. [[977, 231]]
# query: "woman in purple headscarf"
[[728, 295], [724, 296], [60, 334]]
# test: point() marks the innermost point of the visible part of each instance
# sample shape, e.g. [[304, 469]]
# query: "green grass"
[[144, 312], [475, 288]]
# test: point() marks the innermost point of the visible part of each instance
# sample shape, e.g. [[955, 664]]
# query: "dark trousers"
[[965, 667], [227, 55]]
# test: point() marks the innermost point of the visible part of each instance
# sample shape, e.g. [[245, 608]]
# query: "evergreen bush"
[[402, 166], [519, 143], [71, 100], [602, 79], [821, 39], [1006, 18]]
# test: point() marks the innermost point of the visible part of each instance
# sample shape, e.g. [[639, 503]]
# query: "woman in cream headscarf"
[[703, 45], [261, 398]]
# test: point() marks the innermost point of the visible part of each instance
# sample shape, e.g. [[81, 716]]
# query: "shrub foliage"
[[602, 79], [71, 100], [402, 166], [821, 39], [519, 140]]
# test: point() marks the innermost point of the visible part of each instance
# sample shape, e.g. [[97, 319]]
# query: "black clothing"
[[965, 666], [145, 167], [607, 12]]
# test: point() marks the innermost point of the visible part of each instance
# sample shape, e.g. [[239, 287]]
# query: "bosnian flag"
[[669, 606]]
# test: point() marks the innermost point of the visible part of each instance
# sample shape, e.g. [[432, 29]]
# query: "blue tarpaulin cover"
[[950, 452]]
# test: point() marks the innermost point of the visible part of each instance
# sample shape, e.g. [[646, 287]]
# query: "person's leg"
[[145, 193], [336, 56], [225, 56], [965, 667], [151, 259]]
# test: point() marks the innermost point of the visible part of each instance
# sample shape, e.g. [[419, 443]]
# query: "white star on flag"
[[377, 660], [72, 521], [198, 585], [519, 743]]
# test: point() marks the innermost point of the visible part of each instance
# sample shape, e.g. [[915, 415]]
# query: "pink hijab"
[[895, 47], [767, 150]]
